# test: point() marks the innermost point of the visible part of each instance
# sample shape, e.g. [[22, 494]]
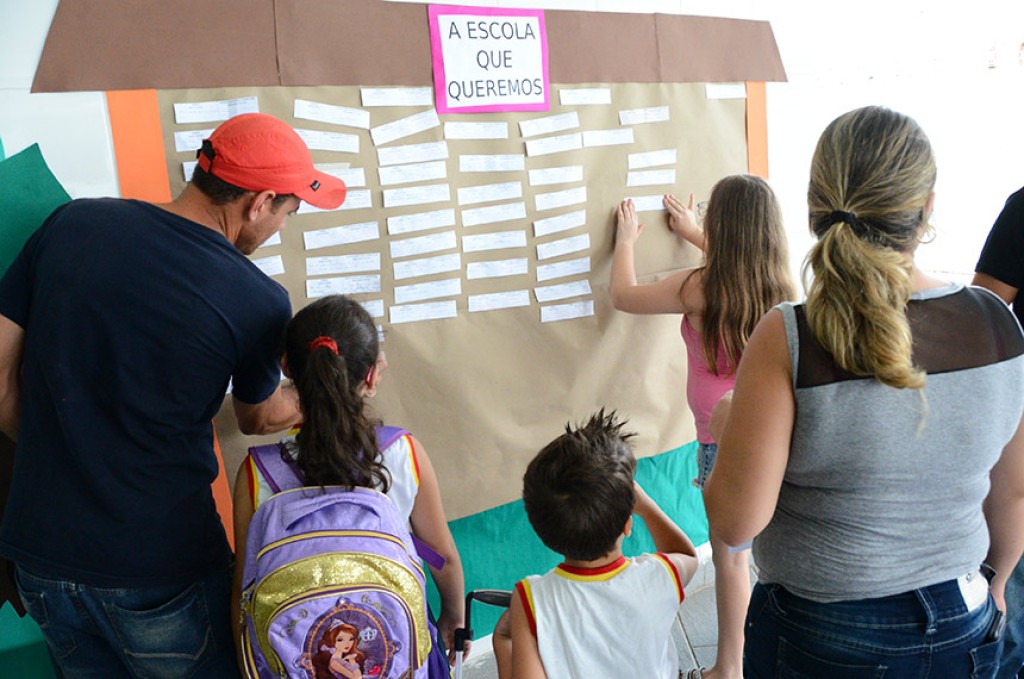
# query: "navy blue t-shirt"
[[135, 320], [1003, 254]]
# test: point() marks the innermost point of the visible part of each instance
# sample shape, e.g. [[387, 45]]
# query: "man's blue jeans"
[[173, 632], [923, 633], [1013, 649]]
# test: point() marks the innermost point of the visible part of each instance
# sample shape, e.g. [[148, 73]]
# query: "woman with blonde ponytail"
[[874, 446]]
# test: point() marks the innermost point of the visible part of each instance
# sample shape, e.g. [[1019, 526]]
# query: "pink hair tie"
[[324, 341]]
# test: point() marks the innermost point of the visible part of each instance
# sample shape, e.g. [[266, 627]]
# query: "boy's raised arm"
[[669, 538]]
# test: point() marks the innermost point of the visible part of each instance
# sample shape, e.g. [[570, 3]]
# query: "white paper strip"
[[498, 268], [553, 293], [493, 213], [412, 153], [352, 176], [430, 290], [557, 199], [329, 141], [497, 240], [499, 300], [354, 200], [321, 266], [651, 178], [652, 158], [273, 240], [489, 193], [375, 307], [513, 162], [423, 312], [548, 145], [271, 266], [648, 203], [428, 266], [405, 127], [585, 96], [187, 168], [569, 267], [186, 113], [341, 235], [564, 246], [725, 90], [417, 195], [190, 140], [636, 116], [498, 130], [565, 312], [329, 113], [416, 172], [397, 96], [556, 175], [421, 245], [546, 227], [608, 137], [341, 285], [421, 221], [549, 124]]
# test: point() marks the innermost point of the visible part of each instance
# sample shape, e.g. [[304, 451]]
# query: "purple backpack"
[[332, 584]]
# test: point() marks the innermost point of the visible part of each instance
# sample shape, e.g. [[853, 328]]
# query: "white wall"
[[958, 73]]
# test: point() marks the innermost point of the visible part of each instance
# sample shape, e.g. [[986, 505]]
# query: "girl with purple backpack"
[[333, 358]]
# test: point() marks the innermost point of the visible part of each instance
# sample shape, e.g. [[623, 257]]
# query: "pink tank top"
[[703, 388]]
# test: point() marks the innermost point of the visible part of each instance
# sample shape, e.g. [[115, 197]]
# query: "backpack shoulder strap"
[[276, 466]]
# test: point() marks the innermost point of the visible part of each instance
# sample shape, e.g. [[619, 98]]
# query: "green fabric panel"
[[22, 649], [498, 547], [29, 193]]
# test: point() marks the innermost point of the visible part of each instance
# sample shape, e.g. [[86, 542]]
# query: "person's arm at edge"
[[12, 346], [526, 662], [430, 525], [501, 642], [277, 412], [243, 511], [669, 538], [743, 489], [1004, 514], [1006, 292]]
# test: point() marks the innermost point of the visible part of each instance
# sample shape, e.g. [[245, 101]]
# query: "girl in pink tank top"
[[745, 273]]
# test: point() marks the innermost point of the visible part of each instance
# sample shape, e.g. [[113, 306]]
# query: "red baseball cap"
[[258, 152]]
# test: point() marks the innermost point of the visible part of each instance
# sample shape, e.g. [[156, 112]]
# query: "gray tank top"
[[883, 488]]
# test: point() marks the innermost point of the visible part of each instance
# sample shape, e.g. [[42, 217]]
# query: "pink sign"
[[489, 59]]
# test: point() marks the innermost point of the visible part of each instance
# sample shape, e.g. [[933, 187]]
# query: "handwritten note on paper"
[[636, 116], [413, 153], [493, 213], [652, 158], [548, 145], [421, 221], [564, 246], [328, 113], [397, 96], [417, 195], [341, 235], [565, 312], [557, 199], [651, 178], [509, 162], [422, 245], [415, 172], [586, 96], [187, 168], [489, 193], [190, 140], [498, 268], [375, 307], [498, 240], [342, 285], [212, 111], [556, 175], [495, 130], [569, 267], [322, 266], [648, 203], [549, 124], [352, 176], [608, 137], [354, 200], [273, 240], [389, 132], [553, 293], [450, 287], [271, 266], [428, 266], [318, 140], [425, 311], [571, 220], [499, 300]]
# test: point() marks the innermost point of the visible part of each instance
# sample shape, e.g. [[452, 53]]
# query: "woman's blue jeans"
[[174, 632], [923, 633]]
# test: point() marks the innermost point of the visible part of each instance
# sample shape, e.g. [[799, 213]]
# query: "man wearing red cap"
[[121, 325]]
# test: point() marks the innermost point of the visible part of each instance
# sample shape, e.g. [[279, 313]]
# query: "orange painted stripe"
[[674, 572], [526, 598], [139, 145], [757, 129]]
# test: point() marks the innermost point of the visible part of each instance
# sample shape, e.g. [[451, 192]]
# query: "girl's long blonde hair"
[[746, 265], [871, 178]]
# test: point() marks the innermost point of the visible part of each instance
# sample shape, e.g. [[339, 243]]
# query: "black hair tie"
[[848, 218]]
